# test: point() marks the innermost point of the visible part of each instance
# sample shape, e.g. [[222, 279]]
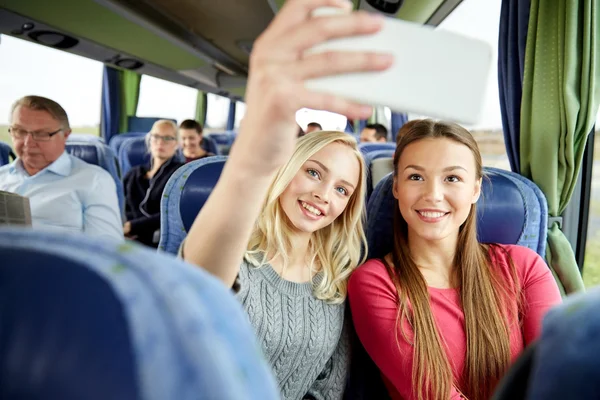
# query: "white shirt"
[[68, 195]]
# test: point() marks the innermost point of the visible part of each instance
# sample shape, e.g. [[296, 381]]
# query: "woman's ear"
[[477, 190]]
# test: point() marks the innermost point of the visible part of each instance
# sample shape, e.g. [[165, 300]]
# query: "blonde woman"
[[144, 184], [283, 226]]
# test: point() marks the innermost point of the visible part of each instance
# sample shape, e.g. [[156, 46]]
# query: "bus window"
[[591, 264], [217, 112], [32, 69], [240, 110], [329, 121], [488, 132], [164, 99]]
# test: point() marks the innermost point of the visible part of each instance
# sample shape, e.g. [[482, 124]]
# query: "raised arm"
[[275, 91]]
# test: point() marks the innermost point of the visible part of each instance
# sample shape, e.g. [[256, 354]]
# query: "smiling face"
[[436, 184], [321, 189], [190, 142]]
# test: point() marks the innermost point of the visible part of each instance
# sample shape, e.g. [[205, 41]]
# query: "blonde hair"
[[158, 123], [337, 247], [489, 298], [40, 103]]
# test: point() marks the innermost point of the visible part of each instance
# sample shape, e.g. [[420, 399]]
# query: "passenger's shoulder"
[[372, 270], [514, 251]]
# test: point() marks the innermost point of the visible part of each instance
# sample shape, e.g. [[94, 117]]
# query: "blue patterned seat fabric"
[[88, 320], [183, 197], [511, 210]]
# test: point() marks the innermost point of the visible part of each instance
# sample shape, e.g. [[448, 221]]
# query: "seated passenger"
[[190, 135], [65, 193], [283, 232], [313, 127], [443, 316], [144, 184], [374, 133]]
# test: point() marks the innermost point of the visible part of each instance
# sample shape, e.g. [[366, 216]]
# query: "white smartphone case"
[[435, 73]]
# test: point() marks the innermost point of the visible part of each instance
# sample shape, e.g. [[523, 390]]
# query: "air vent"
[[54, 39]]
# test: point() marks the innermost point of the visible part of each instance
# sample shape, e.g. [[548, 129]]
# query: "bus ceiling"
[[201, 44]]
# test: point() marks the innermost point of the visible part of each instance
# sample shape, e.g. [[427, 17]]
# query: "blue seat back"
[[133, 152], [84, 137], [87, 320], [369, 157], [210, 144], [117, 140], [97, 153], [183, 198], [143, 124], [511, 210], [223, 140], [6, 154], [372, 146]]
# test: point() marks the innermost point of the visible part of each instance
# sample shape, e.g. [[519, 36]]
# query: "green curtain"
[[201, 107], [130, 94], [561, 92]]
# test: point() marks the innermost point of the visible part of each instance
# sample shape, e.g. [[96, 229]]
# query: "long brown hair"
[[484, 293]]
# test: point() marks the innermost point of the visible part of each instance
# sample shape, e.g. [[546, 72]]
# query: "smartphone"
[[435, 73]]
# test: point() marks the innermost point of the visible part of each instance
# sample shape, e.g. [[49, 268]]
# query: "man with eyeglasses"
[[65, 193]]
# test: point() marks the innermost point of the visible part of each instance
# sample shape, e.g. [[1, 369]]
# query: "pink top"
[[374, 305]]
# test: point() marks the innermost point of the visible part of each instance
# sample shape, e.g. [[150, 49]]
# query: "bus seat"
[[83, 319], [511, 210], [183, 197], [369, 158], [380, 168], [371, 146], [101, 155], [210, 144], [224, 140], [563, 363], [84, 137], [143, 124], [133, 152], [117, 140], [6, 154]]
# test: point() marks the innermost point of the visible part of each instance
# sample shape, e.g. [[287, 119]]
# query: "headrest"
[[143, 124], [511, 210], [86, 151], [84, 137], [133, 152], [372, 146], [6, 154], [376, 154], [209, 144], [184, 196], [87, 320], [117, 140], [97, 153]]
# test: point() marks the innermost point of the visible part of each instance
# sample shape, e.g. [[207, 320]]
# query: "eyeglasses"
[[166, 139], [19, 133]]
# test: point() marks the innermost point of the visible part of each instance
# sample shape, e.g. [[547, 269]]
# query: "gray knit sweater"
[[301, 336]]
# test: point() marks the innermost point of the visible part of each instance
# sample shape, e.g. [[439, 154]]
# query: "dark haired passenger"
[[144, 184], [443, 316], [191, 137], [374, 133]]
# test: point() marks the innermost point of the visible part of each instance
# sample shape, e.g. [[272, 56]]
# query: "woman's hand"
[[279, 68]]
